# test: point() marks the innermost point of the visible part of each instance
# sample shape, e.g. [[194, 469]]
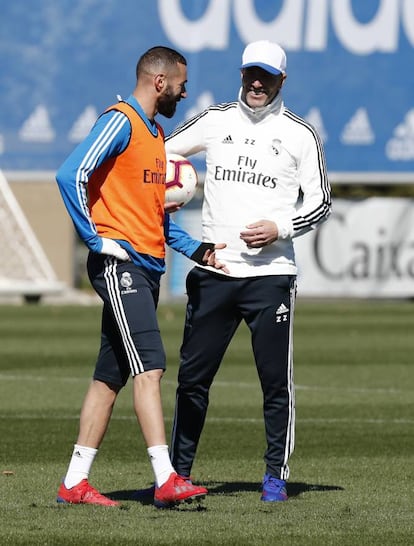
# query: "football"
[[181, 180]]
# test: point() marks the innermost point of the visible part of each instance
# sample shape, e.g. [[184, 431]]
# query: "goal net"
[[24, 267]]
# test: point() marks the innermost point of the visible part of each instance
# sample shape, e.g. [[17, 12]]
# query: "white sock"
[[80, 465], [161, 464]]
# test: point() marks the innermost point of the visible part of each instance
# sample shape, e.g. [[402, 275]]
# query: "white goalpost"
[[24, 267]]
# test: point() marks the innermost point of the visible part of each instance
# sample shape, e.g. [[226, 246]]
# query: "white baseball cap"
[[266, 55]]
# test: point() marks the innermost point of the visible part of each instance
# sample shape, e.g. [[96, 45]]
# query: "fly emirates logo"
[[157, 176], [245, 173], [298, 25]]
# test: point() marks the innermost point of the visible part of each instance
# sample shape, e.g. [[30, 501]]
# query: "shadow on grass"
[[146, 497], [294, 489]]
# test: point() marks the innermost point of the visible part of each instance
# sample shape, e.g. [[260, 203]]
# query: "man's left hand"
[[260, 233], [210, 258], [206, 255]]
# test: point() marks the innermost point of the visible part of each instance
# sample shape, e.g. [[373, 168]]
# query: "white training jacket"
[[266, 163]]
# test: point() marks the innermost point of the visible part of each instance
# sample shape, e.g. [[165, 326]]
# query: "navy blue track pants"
[[216, 306]]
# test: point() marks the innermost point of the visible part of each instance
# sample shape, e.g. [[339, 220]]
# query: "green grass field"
[[352, 472]]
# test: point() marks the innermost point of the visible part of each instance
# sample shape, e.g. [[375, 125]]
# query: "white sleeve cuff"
[[285, 228]]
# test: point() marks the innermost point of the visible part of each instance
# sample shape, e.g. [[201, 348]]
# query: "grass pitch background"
[[351, 473]]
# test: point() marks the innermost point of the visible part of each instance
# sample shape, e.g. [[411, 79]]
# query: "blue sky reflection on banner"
[[349, 69]]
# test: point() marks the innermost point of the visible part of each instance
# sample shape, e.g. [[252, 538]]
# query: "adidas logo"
[[37, 127], [227, 140], [282, 313], [401, 146], [83, 124], [183, 488], [358, 130], [282, 309]]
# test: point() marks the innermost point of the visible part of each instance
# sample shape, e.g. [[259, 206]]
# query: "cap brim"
[[266, 67]]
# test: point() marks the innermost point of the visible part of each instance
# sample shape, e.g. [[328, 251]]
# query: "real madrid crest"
[[126, 280], [276, 146]]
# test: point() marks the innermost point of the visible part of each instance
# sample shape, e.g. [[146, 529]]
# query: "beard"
[[167, 104]]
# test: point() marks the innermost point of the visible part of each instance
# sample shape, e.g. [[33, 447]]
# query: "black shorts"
[[130, 338]]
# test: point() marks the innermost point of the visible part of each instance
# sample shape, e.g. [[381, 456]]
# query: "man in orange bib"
[[113, 186]]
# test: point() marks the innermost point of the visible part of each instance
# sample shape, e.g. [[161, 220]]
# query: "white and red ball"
[[181, 180]]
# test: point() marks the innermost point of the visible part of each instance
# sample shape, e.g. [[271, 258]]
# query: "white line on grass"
[[219, 420], [219, 383]]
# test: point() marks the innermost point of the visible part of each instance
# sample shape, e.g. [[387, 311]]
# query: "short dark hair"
[[157, 58]]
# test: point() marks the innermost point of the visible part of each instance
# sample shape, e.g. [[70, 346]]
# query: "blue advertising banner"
[[350, 69]]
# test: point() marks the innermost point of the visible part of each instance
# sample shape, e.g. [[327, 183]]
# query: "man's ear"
[[159, 82]]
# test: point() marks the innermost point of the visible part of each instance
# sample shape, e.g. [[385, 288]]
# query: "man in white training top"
[[265, 184]]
